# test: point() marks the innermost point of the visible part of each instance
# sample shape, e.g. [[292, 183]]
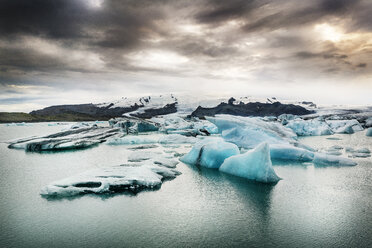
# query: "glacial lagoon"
[[311, 206]]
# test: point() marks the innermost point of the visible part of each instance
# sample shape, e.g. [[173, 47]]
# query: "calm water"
[[310, 207]]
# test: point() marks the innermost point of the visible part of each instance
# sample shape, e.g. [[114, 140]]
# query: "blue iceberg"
[[210, 153], [254, 165]]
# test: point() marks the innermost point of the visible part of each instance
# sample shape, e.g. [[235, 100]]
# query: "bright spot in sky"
[[95, 3], [159, 59], [328, 32]]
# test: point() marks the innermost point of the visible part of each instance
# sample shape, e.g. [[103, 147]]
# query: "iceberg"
[[210, 153], [321, 159], [313, 127], [70, 139], [289, 152], [110, 180], [344, 126], [369, 132], [151, 139], [133, 125], [254, 165], [248, 132]]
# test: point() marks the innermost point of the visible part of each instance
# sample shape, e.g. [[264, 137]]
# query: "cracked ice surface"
[[110, 180], [69, 139]]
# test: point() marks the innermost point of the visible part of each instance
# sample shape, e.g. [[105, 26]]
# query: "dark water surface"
[[310, 207]]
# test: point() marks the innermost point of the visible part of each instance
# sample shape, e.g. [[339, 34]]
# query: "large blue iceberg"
[[248, 132], [254, 165], [210, 153]]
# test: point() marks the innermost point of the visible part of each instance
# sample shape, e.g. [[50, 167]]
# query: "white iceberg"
[[345, 126], [69, 139], [313, 127], [322, 159], [248, 132], [210, 153], [110, 180], [254, 165], [151, 139]]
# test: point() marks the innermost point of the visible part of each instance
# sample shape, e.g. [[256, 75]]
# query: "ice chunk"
[[134, 125], [369, 122], [255, 165], [322, 159], [169, 163], [360, 155], [309, 128], [248, 132], [205, 125], [80, 125], [334, 152], [69, 139], [369, 132], [289, 152], [137, 156], [210, 153], [345, 126], [334, 138], [363, 150], [152, 139], [110, 180], [336, 147]]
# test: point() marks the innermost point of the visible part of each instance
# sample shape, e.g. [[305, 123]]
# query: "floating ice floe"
[[254, 165], [210, 152], [358, 153], [152, 139], [369, 132], [69, 139], [137, 156], [110, 180], [322, 159], [290, 152]]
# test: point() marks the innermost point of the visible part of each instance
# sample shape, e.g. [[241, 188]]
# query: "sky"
[[80, 51]]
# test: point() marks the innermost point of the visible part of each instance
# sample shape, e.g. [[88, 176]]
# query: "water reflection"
[[252, 193]]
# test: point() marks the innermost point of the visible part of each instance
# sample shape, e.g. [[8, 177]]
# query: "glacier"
[[254, 165], [210, 152]]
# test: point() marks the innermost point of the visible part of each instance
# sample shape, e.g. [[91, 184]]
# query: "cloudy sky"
[[79, 51]]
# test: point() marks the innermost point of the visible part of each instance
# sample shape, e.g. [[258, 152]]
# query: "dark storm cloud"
[[55, 19], [300, 14], [219, 11], [79, 37], [115, 24]]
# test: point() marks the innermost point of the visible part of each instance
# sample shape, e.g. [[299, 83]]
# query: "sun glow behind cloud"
[[328, 32]]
